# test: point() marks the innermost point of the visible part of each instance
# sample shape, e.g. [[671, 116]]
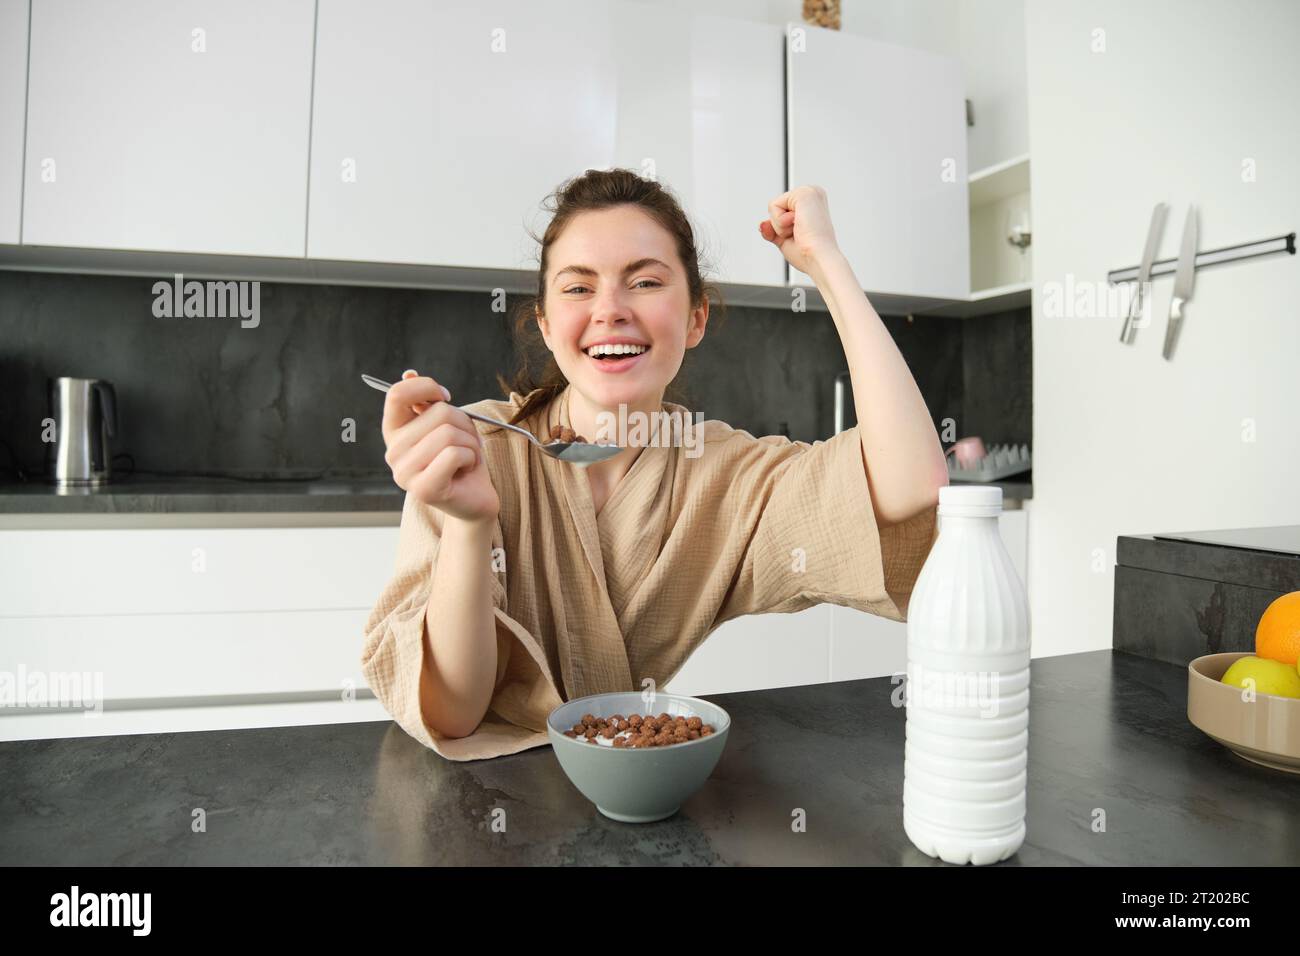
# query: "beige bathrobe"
[[688, 539]]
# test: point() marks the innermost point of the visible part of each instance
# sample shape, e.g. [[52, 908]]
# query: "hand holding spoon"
[[575, 452]]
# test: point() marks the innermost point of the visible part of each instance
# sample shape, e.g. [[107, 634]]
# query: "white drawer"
[[866, 645], [759, 651], [184, 570], [161, 656]]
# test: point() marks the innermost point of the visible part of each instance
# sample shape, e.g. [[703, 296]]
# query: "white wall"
[[1124, 441]]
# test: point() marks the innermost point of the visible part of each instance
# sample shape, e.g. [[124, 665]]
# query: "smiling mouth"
[[607, 353]]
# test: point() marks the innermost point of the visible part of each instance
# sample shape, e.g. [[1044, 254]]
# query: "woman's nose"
[[610, 308]]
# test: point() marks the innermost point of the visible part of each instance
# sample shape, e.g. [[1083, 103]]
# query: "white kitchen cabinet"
[[13, 109], [699, 103], [1014, 527], [192, 628], [758, 651], [439, 129], [167, 126], [409, 167], [866, 645], [171, 657], [823, 643], [89, 573], [882, 128], [270, 621], [112, 721]]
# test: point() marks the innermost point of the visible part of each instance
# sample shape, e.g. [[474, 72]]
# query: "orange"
[[1278, 635]]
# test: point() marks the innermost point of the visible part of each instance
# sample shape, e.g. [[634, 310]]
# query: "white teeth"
[[624, 349]]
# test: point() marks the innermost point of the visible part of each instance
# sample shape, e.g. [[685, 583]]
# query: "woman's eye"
[[582, 288]]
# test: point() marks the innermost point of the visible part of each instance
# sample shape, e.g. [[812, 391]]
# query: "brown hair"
[[595, 189]]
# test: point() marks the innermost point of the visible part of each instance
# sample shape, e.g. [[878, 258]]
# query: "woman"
[[523, 581]]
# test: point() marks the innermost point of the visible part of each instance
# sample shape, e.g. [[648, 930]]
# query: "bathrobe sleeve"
[[807, 534], [394, 654]]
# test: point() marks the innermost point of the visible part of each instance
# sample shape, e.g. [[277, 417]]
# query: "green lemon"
[[1270, 676]]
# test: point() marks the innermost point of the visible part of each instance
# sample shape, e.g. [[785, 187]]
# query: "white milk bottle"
[[967, 690]]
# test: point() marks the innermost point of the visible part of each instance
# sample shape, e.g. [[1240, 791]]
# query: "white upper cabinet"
[[411, 132], [13, 105], [439, 129], [700, 106], [883, 129], [738, 130], [170, 126], [438, 132]]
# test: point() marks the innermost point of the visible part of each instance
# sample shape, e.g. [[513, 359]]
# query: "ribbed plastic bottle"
[[967, 692]]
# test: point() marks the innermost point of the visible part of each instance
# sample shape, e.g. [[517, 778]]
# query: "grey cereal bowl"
[[642, 784]]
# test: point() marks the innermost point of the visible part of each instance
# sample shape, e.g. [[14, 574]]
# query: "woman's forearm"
[[460, 648], [900, 447]]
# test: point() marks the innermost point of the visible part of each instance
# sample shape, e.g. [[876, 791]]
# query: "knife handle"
[[1175, 320], [1134, 307]]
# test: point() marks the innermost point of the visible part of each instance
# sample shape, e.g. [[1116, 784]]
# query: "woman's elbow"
[[454, 726], [456, 732], [924, 497]]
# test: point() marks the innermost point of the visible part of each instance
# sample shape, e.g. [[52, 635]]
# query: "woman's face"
[[614, 277]]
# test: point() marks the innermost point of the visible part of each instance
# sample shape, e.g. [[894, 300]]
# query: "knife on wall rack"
[[1183, 281], [1211, 257], [1144, 272]]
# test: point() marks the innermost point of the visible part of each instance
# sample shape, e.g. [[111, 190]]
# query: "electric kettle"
[[84, 411]]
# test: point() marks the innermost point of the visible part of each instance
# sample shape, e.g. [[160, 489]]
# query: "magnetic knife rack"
[[1211, 257]]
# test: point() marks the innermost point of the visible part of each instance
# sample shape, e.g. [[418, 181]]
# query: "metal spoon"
[[574, 452]]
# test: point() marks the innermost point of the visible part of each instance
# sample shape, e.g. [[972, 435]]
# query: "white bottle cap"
[[970, 501]]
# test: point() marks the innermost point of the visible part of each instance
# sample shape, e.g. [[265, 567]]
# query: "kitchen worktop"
[[1108, 732], [137, 495], [192, 495]]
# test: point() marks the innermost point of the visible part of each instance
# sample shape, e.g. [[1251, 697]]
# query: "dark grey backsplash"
[[205, 395], [997, 367]]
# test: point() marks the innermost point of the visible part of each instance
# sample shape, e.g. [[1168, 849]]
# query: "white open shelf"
[[999, 195], [999, 181]]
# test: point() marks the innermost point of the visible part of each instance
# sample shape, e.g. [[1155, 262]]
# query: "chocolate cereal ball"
[[642, 730]]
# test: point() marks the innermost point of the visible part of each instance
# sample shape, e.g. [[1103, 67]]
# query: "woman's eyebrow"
[[629, 268]]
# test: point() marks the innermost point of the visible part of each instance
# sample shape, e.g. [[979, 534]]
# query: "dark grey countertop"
[[192, 495], [136, 495], [1108, 731]]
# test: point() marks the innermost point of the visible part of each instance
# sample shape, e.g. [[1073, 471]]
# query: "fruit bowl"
[[1265, 731]]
